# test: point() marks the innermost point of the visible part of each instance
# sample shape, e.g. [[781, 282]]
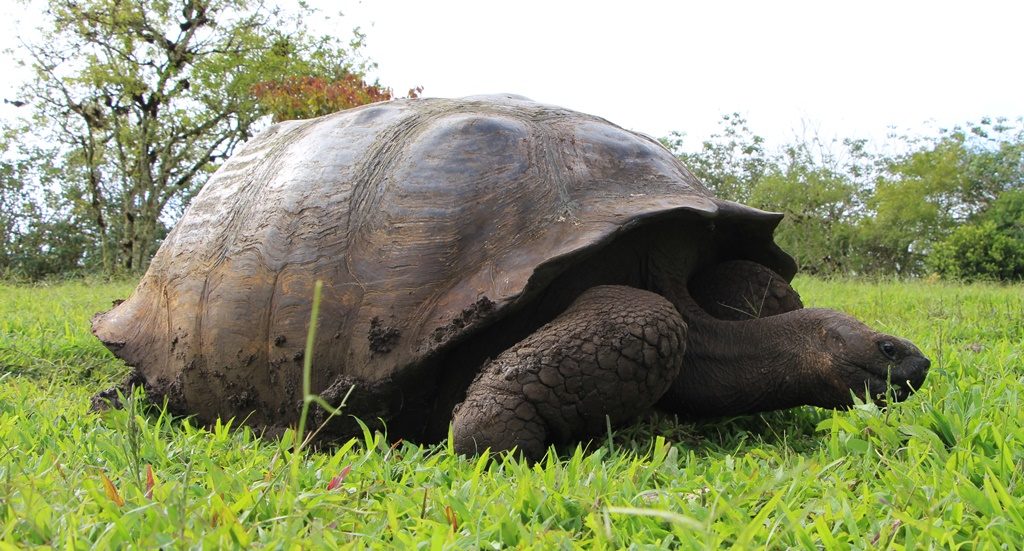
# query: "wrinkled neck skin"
[[741, 367]]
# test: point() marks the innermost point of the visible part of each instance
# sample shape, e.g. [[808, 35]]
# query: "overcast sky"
[[845, 69]]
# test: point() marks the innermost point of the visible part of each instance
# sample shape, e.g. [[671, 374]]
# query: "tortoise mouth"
[[898, 383]]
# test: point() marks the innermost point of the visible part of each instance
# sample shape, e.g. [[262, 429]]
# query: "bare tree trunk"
[[97, 202]]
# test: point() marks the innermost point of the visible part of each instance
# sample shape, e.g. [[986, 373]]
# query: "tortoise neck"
[[740, 367]]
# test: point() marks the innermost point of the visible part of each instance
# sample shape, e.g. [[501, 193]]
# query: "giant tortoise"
[[519, 272]]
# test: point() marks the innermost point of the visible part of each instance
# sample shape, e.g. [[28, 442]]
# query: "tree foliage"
[[820, 204], [42, 233], [947, 204], [990, 247], [14, 201], [305, 97], [146, 97], [730, 162], [926, 193]]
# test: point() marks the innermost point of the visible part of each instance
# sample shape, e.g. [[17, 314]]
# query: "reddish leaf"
[[337, 480], [150, 481], [112, 494], [449, 514], [303, 97]]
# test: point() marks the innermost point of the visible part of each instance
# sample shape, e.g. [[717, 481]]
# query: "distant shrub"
[[979, 251], [990, 248]]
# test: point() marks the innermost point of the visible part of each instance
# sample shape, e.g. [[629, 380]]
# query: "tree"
[[819, 190], [821, 205], [13, 197], [39, 231], [990, 247], [146, 97], [924, 194], [730, 162]]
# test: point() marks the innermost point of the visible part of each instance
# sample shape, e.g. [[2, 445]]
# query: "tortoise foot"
[[111, 397]]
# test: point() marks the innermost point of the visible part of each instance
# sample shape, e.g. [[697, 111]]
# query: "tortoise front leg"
[[612, 354]]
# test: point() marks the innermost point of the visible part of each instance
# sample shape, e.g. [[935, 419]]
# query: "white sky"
[[846, 69]]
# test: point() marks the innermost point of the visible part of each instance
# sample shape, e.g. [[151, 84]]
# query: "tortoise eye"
[[888, 349]]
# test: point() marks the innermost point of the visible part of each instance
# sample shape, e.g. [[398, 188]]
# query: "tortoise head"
[[860, 361]]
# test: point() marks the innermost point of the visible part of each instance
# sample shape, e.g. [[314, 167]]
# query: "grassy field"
[[944, 469]]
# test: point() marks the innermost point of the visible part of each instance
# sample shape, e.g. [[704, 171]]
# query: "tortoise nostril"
[[915, 370]]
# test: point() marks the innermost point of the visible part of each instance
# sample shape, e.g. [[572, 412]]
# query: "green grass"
[[944, 469]]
